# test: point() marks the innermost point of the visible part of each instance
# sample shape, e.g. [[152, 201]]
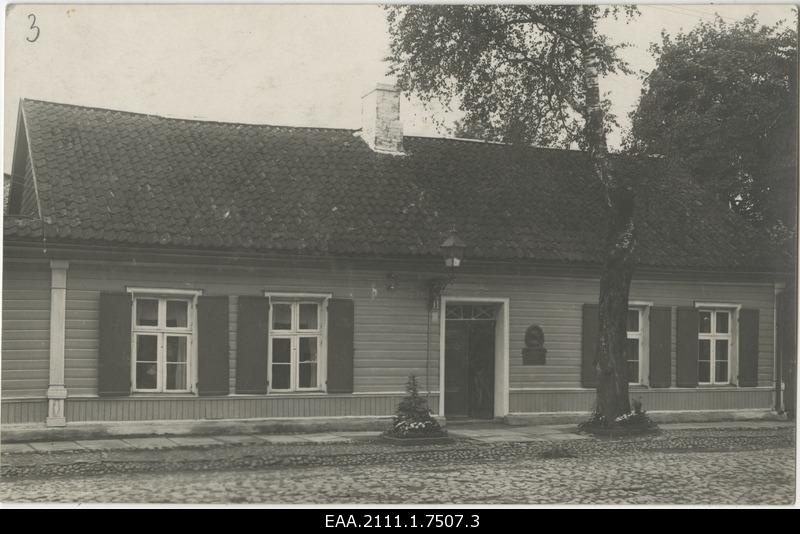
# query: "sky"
[[294, 65]]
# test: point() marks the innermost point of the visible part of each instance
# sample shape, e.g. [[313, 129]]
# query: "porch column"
[[56, 392]]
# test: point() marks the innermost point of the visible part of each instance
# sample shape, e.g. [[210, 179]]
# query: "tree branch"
[[534, 17], [547, 74]]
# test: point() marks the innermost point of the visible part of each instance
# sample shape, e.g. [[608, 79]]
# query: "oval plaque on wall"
[[534, 352]]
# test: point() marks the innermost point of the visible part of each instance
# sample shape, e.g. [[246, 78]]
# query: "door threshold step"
[[469, 421]]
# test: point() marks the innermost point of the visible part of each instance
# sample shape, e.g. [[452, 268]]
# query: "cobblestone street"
[[680, 467], [753, 477]]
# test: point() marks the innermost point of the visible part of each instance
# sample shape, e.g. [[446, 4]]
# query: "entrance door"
[[469, 361]]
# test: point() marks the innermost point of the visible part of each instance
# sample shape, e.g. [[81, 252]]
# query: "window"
[[638, 348], [163, 342], [296, 344], [634, 348], [714, 354]]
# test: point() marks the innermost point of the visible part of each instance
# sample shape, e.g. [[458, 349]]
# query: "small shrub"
[[413, 418]]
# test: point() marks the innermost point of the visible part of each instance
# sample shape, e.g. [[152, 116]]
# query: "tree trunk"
[[615, 280]]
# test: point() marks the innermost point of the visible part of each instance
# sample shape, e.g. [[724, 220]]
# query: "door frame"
[[501, 351]]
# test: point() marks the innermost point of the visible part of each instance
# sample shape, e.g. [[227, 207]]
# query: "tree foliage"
[[515, 70], [722, 102]]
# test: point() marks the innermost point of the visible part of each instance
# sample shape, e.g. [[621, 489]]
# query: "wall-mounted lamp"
[[453, 252]]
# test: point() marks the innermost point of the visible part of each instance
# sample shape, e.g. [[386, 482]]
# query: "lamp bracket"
[[437, 286]]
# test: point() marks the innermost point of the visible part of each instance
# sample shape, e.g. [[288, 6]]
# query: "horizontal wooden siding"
[[555, 304], [26, 329], [245, 407], [391, 326], [543, 401]]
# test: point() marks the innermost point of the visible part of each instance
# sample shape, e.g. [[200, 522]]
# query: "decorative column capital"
[[59, 264]]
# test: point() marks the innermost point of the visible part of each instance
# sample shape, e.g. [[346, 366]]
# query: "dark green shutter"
[[212, 346], [114, 351], [748, 348], [687, 348], [660, 358], [589, 346], [252, 337], [341, 326]]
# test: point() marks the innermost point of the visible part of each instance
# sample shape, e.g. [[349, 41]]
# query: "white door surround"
[[501, 350]]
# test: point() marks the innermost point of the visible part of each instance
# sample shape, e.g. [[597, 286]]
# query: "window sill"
[[158, 395], [643, 387], [294, 393], [720, 387], [631, 387], [287, 395]]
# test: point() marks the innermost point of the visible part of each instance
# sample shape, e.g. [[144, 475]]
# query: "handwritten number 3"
[[33, 27]]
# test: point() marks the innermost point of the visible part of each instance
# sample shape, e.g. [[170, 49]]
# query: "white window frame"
[[294, 333], [643, 335], [161, 332], [732, 337]]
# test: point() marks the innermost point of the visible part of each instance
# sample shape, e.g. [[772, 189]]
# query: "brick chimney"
[[380, 119]]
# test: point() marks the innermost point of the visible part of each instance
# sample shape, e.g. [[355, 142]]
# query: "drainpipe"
[[778, 312]]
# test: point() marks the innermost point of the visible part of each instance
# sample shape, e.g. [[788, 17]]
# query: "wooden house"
[[162, 269]]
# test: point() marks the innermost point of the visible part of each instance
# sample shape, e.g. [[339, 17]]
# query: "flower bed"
[[634, 423]]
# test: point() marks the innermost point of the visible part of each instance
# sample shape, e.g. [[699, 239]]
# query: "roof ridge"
[[288, 127], [284, 126], [183, 119]]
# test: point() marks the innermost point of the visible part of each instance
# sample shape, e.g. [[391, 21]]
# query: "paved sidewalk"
[[173, 442], [483, 433]]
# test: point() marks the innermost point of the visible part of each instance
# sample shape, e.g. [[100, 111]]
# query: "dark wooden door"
[[469, 368], [456, 349], [481, 369]]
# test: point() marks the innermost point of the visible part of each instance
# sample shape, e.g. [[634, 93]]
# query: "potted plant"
[[413, 422]]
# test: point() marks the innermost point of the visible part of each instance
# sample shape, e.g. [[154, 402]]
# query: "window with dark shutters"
[[294, 324], [251, 345], [213, 359], [341, 325], [589, 346], [114, 350]]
